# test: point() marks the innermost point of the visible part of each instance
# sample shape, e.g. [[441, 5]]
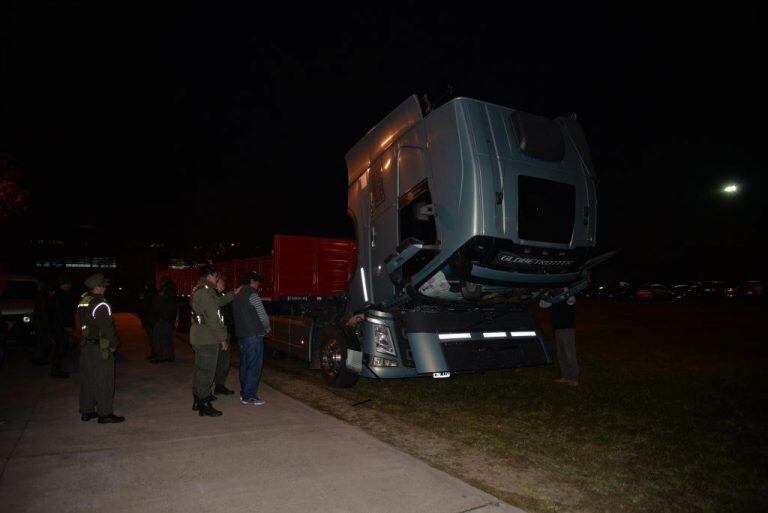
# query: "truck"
[[463, 215]]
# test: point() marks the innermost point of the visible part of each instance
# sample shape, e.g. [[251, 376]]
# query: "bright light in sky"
[[731, 188]]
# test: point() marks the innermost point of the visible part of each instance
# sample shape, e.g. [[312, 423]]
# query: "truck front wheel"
[[333, 357]]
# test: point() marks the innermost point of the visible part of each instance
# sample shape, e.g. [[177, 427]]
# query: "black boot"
[[222, 389], [111, 419], [195, 403], [206, 410]]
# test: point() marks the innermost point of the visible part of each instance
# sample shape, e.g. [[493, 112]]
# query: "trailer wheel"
[[333, 357]]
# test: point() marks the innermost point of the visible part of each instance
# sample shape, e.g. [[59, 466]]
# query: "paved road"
[[280, 457]]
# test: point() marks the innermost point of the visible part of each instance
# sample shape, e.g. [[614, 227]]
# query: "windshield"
[[19, 289]]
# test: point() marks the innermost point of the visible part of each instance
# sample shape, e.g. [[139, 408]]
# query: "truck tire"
[[333, 357]]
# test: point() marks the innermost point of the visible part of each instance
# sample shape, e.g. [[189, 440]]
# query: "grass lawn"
[[671, 413]]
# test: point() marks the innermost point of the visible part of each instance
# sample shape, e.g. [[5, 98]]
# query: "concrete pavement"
[[280, 457]]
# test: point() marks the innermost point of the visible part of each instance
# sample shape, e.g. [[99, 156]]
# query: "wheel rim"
[[330, 357]]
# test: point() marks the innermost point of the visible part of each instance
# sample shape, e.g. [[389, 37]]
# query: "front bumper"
[[430, 344]]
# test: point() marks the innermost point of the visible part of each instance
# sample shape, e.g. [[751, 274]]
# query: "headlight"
[[383, 337], [26, 319]]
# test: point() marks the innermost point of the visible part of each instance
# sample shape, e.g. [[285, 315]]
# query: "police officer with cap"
[[98, 342], [208, 335]]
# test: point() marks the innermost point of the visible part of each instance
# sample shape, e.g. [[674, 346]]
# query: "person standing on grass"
[[562, 317], [251, 325]]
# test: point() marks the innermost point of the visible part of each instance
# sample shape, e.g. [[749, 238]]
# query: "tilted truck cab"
[[462, 216]]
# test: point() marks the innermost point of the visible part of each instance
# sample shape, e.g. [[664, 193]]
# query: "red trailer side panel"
[[265, 268], [298, 268], [184, 279], [261, 265], [311, 266]]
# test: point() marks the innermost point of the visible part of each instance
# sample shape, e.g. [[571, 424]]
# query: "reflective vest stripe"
[[109, 310]]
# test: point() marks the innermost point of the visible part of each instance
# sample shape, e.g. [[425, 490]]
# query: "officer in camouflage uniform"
[[208, 335], [98, 343]]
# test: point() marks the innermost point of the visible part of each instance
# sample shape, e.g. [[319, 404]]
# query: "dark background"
[[186, 127]]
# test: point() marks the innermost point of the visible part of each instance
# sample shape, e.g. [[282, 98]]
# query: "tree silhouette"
[[14, 199]]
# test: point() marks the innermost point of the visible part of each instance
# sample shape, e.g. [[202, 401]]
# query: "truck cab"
[[462, 216]]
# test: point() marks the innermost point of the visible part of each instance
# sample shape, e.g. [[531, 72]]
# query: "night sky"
[[232, 124]]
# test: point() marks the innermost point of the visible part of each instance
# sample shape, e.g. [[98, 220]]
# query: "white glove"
[[544, 304], [571, 300]]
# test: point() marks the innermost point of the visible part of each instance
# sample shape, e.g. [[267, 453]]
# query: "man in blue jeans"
[[251, 325]]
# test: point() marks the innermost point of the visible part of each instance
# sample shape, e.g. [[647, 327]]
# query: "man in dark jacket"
[[146, 300], [225, 355], [163, 317], [251, 325], [62, 324], [562, 316], [42, 323]]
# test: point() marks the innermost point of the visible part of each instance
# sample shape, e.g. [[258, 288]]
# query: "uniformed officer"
[[98, 342], [208, 335]]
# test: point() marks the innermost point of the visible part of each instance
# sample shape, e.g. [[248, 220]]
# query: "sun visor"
[[380, 137]]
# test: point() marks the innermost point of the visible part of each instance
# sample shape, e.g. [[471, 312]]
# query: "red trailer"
[[308, 267], [299, 268]]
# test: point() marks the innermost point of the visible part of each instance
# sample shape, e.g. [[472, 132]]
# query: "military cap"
[[96, 280]]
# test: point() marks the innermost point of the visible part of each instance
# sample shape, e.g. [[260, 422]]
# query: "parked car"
[[695, 291], [752, 290], [596, 290], [681, 291], [590, 291], [17, 304], [611, 290], [653, 291], [731, 291], [713, 290]]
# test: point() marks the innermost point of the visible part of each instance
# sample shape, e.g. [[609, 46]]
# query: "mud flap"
[[354, 361]]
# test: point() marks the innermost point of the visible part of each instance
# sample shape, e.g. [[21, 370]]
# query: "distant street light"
[[731, 188]]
